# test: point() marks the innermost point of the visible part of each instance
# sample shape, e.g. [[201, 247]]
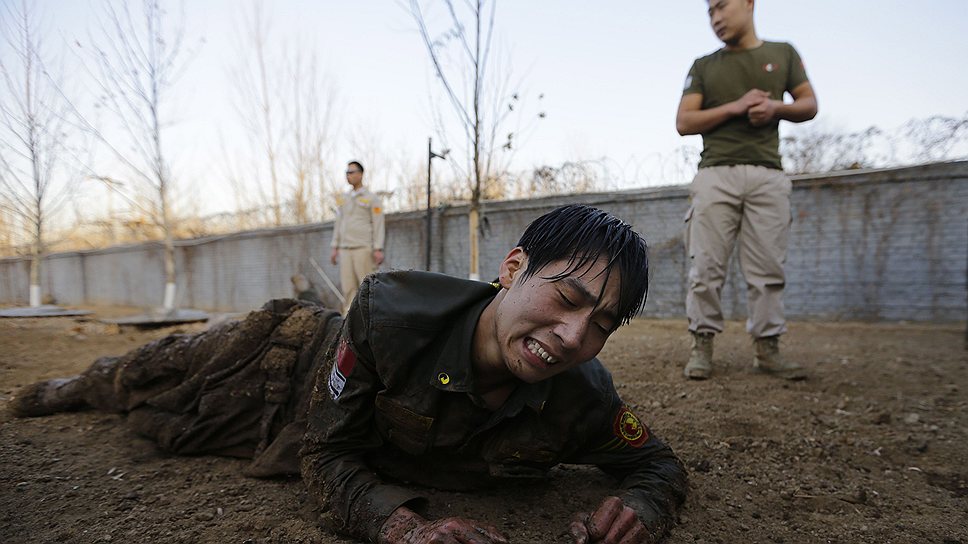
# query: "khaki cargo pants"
[[354, 265], [748, 205]]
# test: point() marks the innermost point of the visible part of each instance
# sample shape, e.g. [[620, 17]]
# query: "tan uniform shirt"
[[359, 220]]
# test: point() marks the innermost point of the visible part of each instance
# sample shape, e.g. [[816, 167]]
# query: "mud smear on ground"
[[869, 450]]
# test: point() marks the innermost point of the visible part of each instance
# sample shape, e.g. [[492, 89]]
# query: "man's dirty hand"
[[611, 523], [405, 526]]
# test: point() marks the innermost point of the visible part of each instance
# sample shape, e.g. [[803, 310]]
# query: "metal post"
[[430, 158]]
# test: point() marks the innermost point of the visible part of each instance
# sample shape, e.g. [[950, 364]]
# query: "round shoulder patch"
[[629, 428]]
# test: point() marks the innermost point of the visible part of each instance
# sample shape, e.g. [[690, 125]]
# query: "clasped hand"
[[758, 107]]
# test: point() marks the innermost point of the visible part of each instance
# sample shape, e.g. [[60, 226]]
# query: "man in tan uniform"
[[734, 98], [358, 234]]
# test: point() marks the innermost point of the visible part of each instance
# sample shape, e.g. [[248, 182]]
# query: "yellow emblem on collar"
[[443, 378]]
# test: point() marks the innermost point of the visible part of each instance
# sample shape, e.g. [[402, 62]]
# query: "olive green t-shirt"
[[724, 76]]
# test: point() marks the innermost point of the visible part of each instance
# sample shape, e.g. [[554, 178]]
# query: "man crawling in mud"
[[429, 381]]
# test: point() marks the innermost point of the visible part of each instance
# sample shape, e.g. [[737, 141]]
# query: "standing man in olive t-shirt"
[[734, 98]]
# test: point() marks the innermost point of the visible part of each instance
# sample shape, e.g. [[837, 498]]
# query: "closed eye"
[[566, 300]]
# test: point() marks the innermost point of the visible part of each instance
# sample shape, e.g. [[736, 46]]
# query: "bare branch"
[[134, 64], [458, 105]]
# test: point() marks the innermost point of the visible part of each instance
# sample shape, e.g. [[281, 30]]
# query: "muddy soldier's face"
[[546, 327]]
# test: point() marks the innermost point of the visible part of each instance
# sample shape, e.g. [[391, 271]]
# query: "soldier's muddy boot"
[[700, 364], [49, 397], [769, 361]]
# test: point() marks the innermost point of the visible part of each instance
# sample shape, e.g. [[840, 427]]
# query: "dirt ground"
[[870, 449]]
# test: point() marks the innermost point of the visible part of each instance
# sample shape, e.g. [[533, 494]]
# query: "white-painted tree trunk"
[[34, 295], [169, 296]]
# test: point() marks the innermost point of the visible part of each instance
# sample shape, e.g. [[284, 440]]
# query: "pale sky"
[[611, 72]]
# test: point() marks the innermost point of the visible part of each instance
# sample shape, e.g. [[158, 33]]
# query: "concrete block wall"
[[872, 245]]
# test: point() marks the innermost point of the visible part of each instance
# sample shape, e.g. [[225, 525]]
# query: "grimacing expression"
[[545, 327], [730, 19]]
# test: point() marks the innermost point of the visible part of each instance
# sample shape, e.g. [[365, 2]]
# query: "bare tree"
[[6, 227], [582, 176], [257, 102], [813, 149], [409, 177], [33, 133], [310, 118], [286, 105], [479, 93], [937, 138], [135, 61]]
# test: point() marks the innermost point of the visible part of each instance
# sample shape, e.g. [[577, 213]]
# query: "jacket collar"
[[454, 369]]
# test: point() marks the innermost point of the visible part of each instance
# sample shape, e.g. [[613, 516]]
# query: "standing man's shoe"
[[700, 364], [769, 361]]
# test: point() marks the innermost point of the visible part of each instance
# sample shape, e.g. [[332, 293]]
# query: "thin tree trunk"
[[35, 263], [169, 301], [162, 175], [38, 234], [473, 219]]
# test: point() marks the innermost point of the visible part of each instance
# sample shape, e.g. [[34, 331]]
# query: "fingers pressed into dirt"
[[601, 520], [622, 524], [578, 528], [461, 531]]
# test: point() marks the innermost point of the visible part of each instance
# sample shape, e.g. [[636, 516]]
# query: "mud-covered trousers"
[[240, 389], [749, 206]]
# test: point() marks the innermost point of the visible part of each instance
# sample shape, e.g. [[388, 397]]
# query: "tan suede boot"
[[769, 361], [700, 364]]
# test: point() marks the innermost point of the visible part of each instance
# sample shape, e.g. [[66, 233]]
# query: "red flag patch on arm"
[[342, 367]]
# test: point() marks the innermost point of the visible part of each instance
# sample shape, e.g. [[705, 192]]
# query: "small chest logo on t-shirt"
[[770, 67]]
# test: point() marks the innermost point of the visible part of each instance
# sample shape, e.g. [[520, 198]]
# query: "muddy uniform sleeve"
[[340, 431], [652, 477]]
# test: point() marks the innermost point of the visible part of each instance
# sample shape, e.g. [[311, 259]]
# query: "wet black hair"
[[582, 234], [358, 165]]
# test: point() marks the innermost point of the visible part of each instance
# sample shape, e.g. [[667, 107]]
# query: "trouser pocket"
[[686, 222]]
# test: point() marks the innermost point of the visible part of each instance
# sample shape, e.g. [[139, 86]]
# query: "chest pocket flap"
[[510, 460], [403, 427], [520, 450]]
